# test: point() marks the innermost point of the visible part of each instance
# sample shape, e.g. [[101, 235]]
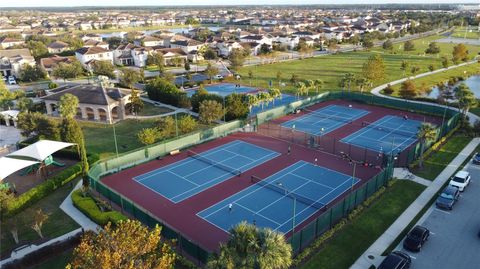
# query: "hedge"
[[45, 188], [87, 205]]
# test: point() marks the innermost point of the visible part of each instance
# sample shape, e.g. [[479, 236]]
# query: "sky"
[[73, 3]]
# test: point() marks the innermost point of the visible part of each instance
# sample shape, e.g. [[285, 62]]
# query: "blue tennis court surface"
[[183, 179], [325, 120], [224, 89], [283, 100], [388, 134], [271, 204]]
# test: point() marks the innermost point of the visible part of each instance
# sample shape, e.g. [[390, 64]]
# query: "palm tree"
[[466, 99], [426, 132], [251, 247], [362, 82], [275, 93], [252, 100], [347, 80], [309, 83], [318, 84]]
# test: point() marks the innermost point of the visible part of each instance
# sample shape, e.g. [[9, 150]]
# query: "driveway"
[[453, 242]]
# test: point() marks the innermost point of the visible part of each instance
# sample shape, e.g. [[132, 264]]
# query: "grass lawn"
[[331, 68], [57, 262], [151, 110], [432, 80], [437, 161], [472, 32], [58, 223], [475, 110], [345, 248]]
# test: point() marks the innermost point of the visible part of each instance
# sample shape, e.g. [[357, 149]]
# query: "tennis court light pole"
[[294, 205]]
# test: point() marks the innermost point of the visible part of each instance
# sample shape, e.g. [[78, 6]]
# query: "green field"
[[331, 68], [472, 32], [435, 164], [151, 110], [58, 223], [344, 249]]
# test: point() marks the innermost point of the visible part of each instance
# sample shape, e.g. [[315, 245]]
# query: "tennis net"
[[388, 129], [204, 159], [283, 191], [326, 116]]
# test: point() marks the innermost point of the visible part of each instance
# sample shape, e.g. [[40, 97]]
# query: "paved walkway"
[[376, 90], [386, 239], [404, 173]]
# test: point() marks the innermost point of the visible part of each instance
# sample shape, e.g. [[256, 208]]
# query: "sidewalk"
[[383, 242]]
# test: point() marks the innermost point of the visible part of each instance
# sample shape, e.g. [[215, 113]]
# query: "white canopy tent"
[[40, 150], [9, 166]]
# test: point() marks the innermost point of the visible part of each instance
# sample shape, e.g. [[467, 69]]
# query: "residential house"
[[170, 53], [226, 47], [57, 47], [94, 43], [261, 39], [150, 41], [87, 55], [122, 55], [95, 37], [187, 45], [8, 42], [12, 60], [51, 62]]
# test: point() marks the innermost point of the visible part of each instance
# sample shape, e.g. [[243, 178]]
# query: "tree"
[[347, 81], [388, 90], [466, 98], [37, 48], [166, 127], [415, 69], [66, 71], [104, 68], [186, 124], [425, 133], [211, 71], [367, 42], [68, 105], [39, 124], [318, 83], [279, 76], [210, 54], [445, 62], [39, 219], [6, 198], [404, 66], [114, 42], [265, 49], [252, 247], [148, 136], [130, 77], [409, 46], [158, 60], [374, 68], [408, 90], [236, 106], [431, 68], [294, 79], [136, 104], [387, 45], [459, 53], [70, 131], [210, 111], [433, 48], [237, 58], [30, 73], [186, 66], [24, 104], [13, 224], [165, 91], [129, 245], [250, 76]]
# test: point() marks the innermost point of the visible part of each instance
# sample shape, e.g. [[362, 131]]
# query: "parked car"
[[476, 158], [11, 80], [416, 238], [448, 197], [460, 180], [396, 260], [218, 77]]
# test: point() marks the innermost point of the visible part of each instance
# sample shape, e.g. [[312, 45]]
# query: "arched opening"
[[128, 108], [103, 114], [115, 113], [79, 113], [53, 107], [90, 113]]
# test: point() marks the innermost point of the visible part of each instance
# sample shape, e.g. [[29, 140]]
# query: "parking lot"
[[453, 241]]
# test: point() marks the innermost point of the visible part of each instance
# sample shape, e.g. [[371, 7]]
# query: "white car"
[[460, 180], [11, 80], [218, 77]]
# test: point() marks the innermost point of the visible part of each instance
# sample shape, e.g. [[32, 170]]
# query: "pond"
[[472, 82]]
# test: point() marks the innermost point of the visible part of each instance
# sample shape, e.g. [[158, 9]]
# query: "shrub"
[[88, 206], [388, 90]]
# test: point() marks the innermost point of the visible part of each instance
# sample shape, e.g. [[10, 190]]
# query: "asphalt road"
[[453, 241]]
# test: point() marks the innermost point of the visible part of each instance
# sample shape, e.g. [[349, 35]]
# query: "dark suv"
[[416, 238], [396, 260], [448, 197]]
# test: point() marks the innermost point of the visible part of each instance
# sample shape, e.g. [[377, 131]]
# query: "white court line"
[[255, 213]]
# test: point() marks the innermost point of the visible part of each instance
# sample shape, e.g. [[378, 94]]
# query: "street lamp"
[[294, 204]]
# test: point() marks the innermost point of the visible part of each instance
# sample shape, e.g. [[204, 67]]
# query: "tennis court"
[[390, 134], [271, 202], [325, 120], [224, 89], [183, 179]]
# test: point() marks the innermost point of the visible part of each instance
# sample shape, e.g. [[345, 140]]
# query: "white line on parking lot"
[[443, 211], [413, 257], [432, 233]]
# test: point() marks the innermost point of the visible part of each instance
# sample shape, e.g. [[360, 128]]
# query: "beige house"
[[95, 102], [7, 42], [57, 47], [12, 60]]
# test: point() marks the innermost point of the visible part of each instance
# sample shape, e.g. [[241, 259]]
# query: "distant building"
[[58, 47], [51, 62], [86, 56], [12, 60], [7, 42]]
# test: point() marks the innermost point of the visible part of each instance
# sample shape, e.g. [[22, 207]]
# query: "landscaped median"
[[92, 208], [353, 237]]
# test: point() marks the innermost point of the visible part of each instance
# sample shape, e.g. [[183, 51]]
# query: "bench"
[[174, 152]]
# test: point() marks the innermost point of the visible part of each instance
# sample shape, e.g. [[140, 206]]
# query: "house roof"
[[94, 43], [185, 43], [9, 40], [15, 53], [58, 45], [91, 50], [89, 94], [53, 61], [175, 51]]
